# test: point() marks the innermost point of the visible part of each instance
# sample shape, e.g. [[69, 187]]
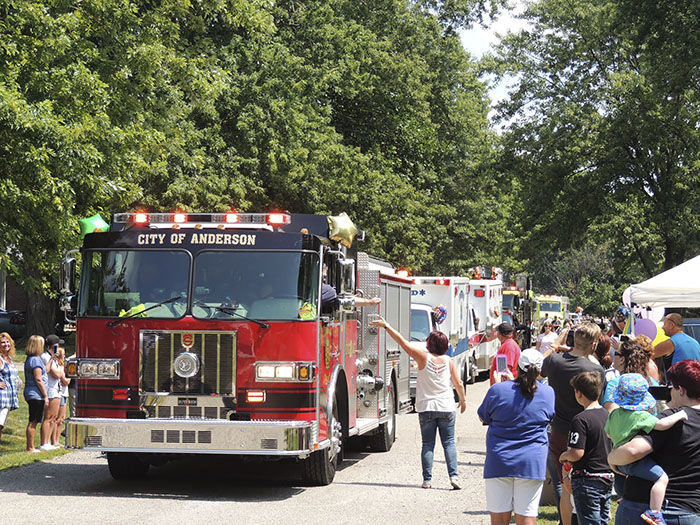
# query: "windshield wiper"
[[232, 311], [137, 314]]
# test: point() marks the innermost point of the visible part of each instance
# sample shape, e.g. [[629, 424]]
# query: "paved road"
[[370, 488]]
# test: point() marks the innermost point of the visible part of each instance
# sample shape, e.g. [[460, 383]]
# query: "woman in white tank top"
[[435, 403]]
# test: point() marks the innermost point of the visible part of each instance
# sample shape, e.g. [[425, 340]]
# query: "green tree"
[[372, 108], [91, 101], [602, 130]]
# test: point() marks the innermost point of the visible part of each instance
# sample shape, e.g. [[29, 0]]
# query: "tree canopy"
[[372, 108], [602, 131]]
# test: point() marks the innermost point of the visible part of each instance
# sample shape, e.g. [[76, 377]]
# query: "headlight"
[[266, 371], [275, 371], [284, 372], [94, 368]]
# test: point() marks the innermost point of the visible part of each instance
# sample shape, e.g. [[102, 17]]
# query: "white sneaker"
[[47, 446], [454, 481]]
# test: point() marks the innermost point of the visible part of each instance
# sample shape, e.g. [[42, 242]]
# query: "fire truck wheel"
[[125, 465], [386, 434], [319, 468]]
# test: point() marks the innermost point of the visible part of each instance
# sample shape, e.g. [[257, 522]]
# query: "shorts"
[[64, 400], [3, 416], [36, 410], [513, 494], [53, 393]]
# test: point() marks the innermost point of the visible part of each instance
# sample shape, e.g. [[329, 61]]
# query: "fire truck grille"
[[216, 355]]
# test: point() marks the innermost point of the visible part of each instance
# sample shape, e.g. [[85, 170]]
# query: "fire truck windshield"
[[257, 284], [121, 283], [550, 307]]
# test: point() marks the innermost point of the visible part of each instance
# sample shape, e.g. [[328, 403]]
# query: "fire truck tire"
[[319, 468], [386, 434], [125, 465]]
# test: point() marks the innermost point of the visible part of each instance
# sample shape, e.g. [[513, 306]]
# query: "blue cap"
[[632, 393]]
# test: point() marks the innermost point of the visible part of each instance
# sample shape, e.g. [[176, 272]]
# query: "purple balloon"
[[645, 327]]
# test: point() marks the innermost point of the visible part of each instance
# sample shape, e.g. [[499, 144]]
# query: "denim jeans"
[[645, 468], [554, 478], [430, 422], [629, 512], [592, 499]]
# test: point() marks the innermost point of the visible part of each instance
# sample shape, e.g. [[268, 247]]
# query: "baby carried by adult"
[[631, 418]]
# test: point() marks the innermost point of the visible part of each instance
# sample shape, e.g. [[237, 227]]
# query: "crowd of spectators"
[[600, 386], [45, 388]]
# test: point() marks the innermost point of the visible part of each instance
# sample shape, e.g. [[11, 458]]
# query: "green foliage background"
[[371, 107]]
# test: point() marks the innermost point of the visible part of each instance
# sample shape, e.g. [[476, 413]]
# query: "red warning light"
[[278, 219]]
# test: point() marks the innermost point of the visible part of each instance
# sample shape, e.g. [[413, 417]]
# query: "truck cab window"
[[120, 282], [260, 285], [420, 325]]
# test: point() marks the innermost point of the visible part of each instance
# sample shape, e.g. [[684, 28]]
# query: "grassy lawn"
[[548, 515], [13, 442]]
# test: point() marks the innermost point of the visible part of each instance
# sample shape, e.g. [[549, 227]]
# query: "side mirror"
[[68, 265], [346, 269], [67, 303]]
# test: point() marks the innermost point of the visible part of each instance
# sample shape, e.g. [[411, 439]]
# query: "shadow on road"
[[205, 478]]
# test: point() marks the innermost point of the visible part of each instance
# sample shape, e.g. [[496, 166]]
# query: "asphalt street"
[[371, 488]]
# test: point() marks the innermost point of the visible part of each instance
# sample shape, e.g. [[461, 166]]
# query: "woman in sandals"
[[435, 403]]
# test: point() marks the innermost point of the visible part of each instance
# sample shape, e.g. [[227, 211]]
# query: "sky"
[[479, 40]]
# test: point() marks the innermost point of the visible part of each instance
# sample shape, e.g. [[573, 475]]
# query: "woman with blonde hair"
[[58, 369], [10, 383], [35, 392]]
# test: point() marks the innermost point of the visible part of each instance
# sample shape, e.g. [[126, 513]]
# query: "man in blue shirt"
[[679, 345]]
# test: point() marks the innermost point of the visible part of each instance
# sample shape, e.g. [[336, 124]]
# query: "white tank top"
[[434, 386]]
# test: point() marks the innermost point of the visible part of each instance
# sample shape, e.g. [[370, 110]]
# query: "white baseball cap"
[[530, 357]]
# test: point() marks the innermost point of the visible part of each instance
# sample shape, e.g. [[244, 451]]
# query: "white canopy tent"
[[678, 287]]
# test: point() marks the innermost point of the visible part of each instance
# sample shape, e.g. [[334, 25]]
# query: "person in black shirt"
[[559, 369], [587, 453], [676, 450]]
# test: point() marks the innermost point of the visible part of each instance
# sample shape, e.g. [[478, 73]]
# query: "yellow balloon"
[[660, 335], [342, 229]]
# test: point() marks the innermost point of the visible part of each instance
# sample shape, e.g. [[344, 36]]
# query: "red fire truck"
[[210, 333]]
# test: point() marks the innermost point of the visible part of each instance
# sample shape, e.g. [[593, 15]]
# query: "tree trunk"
[[41, 313], [674, 254]]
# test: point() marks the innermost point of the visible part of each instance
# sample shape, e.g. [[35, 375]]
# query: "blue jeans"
[[430, 422], [592, 500], [554, 478], [645, 468], [629, 512]]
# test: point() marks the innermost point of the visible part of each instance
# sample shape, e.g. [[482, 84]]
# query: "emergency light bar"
[[440, 281], [198, 220]]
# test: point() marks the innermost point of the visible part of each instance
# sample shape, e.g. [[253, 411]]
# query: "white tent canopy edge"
[[678, 287]]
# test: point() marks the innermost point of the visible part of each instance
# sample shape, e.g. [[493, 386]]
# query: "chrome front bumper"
[[283, 438]]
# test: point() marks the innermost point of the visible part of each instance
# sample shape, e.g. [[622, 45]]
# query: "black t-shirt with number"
[[588, 434], [677, 451]]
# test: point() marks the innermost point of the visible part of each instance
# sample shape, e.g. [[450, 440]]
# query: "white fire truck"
[[206, 333]]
